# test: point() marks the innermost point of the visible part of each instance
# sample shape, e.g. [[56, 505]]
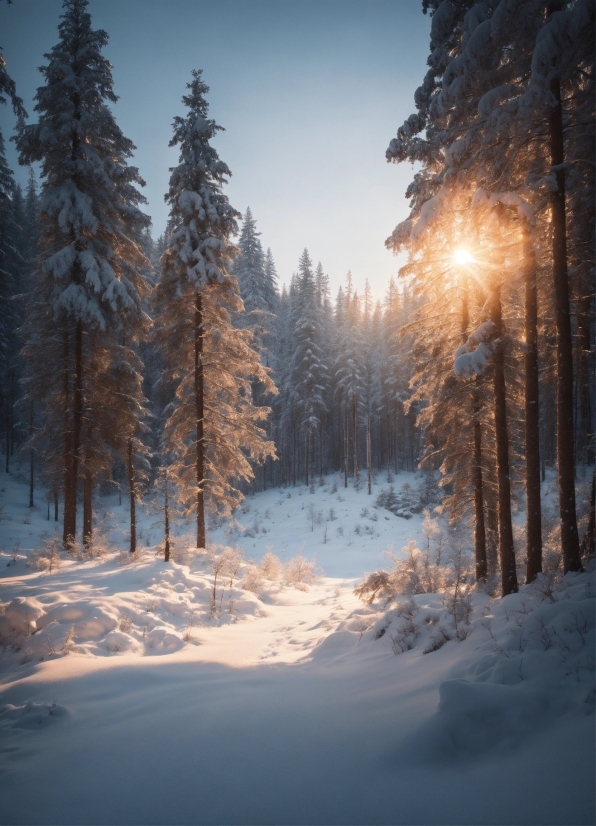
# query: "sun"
[[462, 257]]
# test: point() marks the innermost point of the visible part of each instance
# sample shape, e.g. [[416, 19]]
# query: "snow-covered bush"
[[270, 566], [254, 579], [418, 573], [47, 558], [300, 572], [402, 503]]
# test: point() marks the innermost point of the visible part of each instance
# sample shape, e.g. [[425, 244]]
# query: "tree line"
[[181, 362]]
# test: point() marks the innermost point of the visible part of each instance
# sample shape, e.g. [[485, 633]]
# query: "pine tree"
[[309, 372], [212, 430], [85, 313], [349, 375]]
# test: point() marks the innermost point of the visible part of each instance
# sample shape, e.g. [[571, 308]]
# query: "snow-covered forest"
[[359, 525]]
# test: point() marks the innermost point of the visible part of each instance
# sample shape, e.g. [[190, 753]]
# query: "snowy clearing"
[[128, 697]]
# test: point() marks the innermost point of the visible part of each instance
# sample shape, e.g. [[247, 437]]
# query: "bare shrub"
[[48, 557], [225, 566], [457, 600], [125, 624]]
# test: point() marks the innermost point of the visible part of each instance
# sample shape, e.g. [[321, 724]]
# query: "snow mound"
[[518, 664]]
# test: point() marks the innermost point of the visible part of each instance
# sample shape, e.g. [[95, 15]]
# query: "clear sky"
[[310, 93]]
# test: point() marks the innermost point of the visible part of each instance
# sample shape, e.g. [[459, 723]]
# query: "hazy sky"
[[310, 93]]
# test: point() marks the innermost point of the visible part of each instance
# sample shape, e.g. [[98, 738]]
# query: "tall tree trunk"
[[7, 422], [479, 526], [70, 494], [586, 374], [565, 433], [77, 421], [588, 546], [477, 480], [306, 455], [55, 504], [355, 427], [506, 547], [166, 514], [532, 414], [87, 507], [133, 499], [346, 449], [368, 456], [31, 458], [200, 412]]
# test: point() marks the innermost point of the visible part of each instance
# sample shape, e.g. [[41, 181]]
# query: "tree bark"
[[565, 430], [479, 526], [532, 417], [306, 455], [70, 494], [355, 426], [346, 449], [55, 505], [200, 413], [506, 547], [87, 507], [31, 457], [166, 513], [588, 545], [133, 501], [368, 456]]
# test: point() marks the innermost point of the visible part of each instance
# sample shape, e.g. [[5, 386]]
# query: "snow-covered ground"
[[133, 693]]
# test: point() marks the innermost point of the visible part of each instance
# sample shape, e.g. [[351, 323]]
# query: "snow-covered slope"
[[135, 697]]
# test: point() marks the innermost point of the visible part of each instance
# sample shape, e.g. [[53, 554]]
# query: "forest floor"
[[132, 692]]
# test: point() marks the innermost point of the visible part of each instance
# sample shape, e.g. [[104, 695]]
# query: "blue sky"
[[310, 94]]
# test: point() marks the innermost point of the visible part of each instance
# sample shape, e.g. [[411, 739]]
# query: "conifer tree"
[[85, 314], [309, 374], [213, 428]]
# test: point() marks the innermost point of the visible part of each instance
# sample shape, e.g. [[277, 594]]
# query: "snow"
[[472, 358], [291, 705]]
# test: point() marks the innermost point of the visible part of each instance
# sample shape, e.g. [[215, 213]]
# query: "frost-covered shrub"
[[418, 573], [270, 566], [47, 558], [253, 580], [300, 572]]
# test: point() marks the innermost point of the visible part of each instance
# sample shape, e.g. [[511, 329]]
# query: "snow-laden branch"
[[473, 357]]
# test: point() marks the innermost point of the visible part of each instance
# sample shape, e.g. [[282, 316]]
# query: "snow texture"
[[290, 706]]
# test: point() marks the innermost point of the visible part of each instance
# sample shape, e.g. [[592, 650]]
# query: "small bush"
[[300, 572], [270, 566]]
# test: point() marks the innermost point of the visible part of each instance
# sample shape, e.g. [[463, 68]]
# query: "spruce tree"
[[213, 430], [85, 316]]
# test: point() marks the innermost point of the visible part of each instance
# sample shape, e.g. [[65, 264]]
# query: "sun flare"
[[462, 257]]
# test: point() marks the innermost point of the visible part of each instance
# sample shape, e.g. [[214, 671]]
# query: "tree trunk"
[[306, 455], [565, 440], [532, 417], [346, 449], [506, 547], [55, 505], [368, 456], [479, 526], [166, 514], [132, 489], [87, 507], [8, 425], [199, 406], [70, 494], [31, 458], [355, 426], [588, 546]]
